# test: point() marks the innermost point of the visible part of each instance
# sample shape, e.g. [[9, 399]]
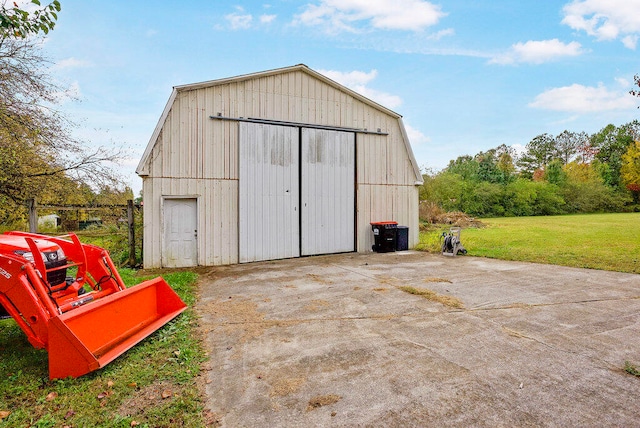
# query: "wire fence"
[[115, 227]]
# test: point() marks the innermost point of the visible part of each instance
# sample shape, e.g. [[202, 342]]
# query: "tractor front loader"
[[69, 299]]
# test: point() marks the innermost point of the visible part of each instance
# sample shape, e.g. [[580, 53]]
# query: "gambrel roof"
[[143, 166]]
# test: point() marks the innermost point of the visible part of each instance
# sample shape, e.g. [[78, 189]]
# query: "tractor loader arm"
[[84, 321]]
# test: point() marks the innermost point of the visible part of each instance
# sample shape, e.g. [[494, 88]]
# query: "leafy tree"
[[18, 23], [539, 152], [549, 200], [505, 162], [612, 143], [630, 170], [554, 173], [485, 200], [38, 152], [636, 91], [445, 188], [465, 166], [567, 144]]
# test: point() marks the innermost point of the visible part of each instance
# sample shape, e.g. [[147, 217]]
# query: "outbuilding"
[[277, 164]]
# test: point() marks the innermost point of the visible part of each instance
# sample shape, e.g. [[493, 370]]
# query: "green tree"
[[539, 152], [554, 173], [630, 170], [446, 189], [567, 144], [612, 143], [38, 152], [18, 23], [465, 166]]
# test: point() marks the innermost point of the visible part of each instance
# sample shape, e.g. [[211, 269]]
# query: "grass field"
[[154, 384], [595, 241]]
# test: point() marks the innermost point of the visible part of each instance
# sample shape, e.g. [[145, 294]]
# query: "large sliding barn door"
[[268, 192], [328, 191], [296, 197]]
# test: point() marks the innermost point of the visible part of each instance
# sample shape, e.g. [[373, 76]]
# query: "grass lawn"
[[595, 241], [154, 384]]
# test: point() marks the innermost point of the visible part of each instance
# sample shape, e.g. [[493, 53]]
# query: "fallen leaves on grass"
[[51, 396], [4, 414]]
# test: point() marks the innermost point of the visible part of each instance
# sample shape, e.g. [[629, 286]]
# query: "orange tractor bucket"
[[92, 336], [84, 321]]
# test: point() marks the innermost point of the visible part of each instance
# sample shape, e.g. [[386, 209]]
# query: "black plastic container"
[[402, 238], [384, 234]]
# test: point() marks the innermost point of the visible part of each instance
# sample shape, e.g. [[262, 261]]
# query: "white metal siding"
[[328, 189], [269, 192], [380, 203]]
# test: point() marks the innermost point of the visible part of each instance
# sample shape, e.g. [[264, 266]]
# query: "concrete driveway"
[[335, 341]]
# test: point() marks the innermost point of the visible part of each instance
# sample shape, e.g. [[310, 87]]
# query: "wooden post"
[[132, 234], [33, 215]]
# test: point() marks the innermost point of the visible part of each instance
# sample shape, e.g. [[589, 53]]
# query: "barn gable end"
[[192, 159]]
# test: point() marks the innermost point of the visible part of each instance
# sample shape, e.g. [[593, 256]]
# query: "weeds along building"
[[276, 164]]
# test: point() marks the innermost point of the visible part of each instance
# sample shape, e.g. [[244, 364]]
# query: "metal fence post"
[[132, 234]]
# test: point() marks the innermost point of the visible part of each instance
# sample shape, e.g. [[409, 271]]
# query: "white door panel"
[[328, 191], [268, 192], [180, 233]]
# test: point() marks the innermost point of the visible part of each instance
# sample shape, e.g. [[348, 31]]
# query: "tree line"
[[39, 155], [572, 172]]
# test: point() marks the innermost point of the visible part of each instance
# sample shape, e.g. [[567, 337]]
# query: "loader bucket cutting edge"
[[93, 335]]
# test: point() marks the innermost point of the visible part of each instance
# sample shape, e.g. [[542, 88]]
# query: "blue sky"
[[465, 76]]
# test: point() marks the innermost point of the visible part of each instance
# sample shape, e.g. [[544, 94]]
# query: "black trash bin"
[[402, 238], [384, 234]]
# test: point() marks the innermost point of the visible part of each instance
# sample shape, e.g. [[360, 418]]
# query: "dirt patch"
[[322, 400], [319, 278], [234, 316], [149, 396], [437, 280], [317, 305], [449, 301], [286, 386]]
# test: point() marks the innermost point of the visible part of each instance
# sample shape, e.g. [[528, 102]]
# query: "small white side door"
[[180, 233]]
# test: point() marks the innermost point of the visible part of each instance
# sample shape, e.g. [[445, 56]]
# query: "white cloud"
[[239, 20], [538, 52], [358, 80], [605, 19], [583, 99], [266, 19], [442, 33], [71, 63], [345, 15], [630, 41], [416, 137], [351, 78]]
